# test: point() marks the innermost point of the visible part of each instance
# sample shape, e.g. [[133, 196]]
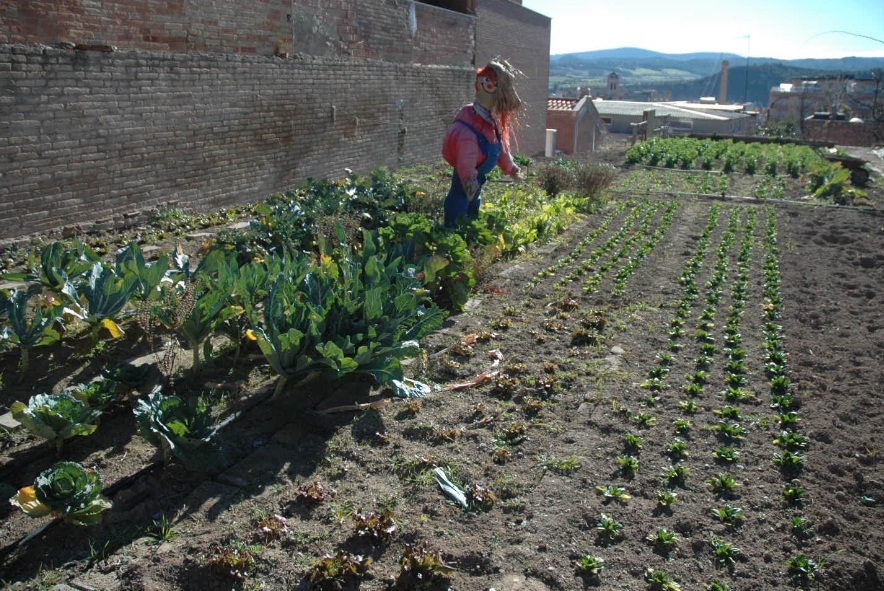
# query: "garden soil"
[[535, 387]]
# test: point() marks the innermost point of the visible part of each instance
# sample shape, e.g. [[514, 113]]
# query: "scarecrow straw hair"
[[506, 100], [506, 103]]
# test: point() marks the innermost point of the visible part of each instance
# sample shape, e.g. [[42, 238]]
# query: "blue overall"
[[456, 203]]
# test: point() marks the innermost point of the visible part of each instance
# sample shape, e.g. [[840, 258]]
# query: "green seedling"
[[628, 465], [731, 431], [791, 440], [682, 426], [689, 406], [608, 527], [726, 454], [803, 569], [659, 580], [632, 442], [793, 493], [729, 413], [644, 420], [722, 483], [677, 450], [613, 492], [666, 498], [789, 461], [800, 526], [590, 564], [729, 515], [724, 553], [676, 474], [664, 540]]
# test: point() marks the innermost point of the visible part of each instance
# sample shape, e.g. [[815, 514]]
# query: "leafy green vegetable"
[[130, 263], [59, 265], [56, 417], [355, 311], [102, 300], [26, 325], [180, 429], [66, 490]]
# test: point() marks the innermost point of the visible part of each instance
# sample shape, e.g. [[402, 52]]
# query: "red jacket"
[[460, 148]]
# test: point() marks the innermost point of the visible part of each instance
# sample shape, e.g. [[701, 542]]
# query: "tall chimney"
[[722, 87]]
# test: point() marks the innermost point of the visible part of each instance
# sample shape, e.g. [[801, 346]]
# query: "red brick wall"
[[843, 133], [102, 139], [374, 30], [193, 109], [507, 30]]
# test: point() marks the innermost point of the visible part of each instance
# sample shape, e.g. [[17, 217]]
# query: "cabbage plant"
[[180, 429], [56, 417], [66, 490]]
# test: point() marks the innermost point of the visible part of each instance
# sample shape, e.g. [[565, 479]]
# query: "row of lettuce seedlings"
[[724, 553], [578, 250], [608, 528], [801, 568]]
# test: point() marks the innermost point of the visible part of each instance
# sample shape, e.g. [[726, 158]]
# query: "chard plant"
[[65, 490], [56, 417], [361, 313]]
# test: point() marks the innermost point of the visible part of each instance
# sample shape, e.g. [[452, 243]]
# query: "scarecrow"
[[478, 140]]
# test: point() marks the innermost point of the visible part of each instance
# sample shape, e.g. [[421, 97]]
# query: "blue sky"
[[784, 29]]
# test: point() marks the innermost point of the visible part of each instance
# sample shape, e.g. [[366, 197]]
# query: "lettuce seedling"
[[56, 418], [66, 490], [180, 429]]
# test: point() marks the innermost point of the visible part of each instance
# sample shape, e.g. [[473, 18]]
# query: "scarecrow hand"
[[471, 188]]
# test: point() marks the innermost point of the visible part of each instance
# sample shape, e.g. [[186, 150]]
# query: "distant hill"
[[692, 75]]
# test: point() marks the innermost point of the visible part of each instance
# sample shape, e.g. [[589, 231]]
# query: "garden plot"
[[676, 393]]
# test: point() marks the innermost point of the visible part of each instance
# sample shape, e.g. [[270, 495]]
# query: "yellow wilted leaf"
[[112, 327], [250, 334], [26, 499]]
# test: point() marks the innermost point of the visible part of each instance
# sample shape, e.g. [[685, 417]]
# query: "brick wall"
[[507, 30], [394, 30], [192, 109], [843, 133], [105, 137]]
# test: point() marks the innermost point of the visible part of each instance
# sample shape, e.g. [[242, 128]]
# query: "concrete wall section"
[[507, 30], [100, 139]]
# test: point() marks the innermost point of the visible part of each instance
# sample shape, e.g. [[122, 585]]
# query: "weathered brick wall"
[[393, 30], [843, 132], [105, 137], [507, 30], [193, 110]]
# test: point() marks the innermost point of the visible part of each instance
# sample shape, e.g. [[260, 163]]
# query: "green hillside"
[[690, 76]]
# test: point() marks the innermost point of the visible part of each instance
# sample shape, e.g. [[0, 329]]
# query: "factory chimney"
[[722, 90]]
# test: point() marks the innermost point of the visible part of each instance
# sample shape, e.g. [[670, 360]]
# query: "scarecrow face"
[[488, 82]]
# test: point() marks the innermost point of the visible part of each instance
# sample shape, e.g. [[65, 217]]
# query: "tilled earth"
[[536, 387]]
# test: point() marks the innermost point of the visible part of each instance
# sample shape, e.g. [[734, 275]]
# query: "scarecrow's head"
[[495, 89]]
